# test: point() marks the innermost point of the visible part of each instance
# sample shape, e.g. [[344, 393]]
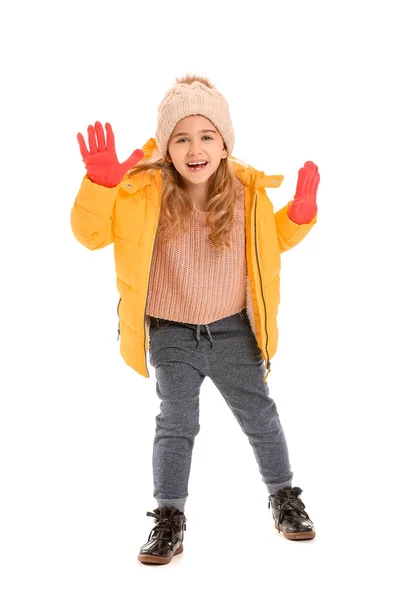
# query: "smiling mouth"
[[197, 166]]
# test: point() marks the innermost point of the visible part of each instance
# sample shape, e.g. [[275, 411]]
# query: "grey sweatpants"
[[226, 351]]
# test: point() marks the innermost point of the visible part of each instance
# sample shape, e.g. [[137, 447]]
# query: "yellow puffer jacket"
[[128, 215]]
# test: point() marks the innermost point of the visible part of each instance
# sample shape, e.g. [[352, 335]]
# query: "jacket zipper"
[[119, 321], [147, 294], [259, 271]]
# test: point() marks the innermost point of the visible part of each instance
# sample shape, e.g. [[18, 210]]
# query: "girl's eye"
[[204, 136]]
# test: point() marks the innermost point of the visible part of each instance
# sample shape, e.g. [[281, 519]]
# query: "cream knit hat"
[[196, 98]]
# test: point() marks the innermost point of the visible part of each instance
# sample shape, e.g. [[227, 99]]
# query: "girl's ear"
[[224, 153]]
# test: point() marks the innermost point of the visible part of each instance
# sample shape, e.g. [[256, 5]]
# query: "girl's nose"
[[193, 148]]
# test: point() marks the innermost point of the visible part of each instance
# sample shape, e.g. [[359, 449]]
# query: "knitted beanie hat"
[[198, 97]]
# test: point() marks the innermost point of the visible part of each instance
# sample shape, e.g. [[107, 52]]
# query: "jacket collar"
[[245, 173]]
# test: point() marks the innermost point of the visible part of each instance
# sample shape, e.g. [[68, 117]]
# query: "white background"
[[305, 81]]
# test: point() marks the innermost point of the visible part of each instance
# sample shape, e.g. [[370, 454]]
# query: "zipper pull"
[[118, 334], [268, 368]]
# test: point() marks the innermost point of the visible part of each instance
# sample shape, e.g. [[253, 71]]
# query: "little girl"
[[197, 251]]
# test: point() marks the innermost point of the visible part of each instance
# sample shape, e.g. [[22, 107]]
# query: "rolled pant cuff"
[[275, 487], [178, 503]]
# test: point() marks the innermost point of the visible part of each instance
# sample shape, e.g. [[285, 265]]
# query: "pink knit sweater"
[[191, 281]]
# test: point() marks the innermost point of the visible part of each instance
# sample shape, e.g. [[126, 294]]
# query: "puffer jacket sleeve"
[[92, 214], [290, 233]]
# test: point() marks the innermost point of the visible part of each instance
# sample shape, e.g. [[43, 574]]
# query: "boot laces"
[[163, 524], [294, 504]]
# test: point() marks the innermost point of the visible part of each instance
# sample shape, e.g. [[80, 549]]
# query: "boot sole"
[[300, 535], [158, 560]]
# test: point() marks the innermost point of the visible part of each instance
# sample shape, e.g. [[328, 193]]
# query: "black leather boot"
[[166, 538], [289, 515]]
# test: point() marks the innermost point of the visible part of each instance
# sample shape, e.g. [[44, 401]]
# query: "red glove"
[[101, 162], [304, 206]]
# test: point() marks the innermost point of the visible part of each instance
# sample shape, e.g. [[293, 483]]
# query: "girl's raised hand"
[[304, 206], [101, 160]]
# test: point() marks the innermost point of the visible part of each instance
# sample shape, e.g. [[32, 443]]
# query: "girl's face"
[[195, 139]]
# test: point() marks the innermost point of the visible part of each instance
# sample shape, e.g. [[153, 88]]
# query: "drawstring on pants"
[[198, 327], [198, 330]]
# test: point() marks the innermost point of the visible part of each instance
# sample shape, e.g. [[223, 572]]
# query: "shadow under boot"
[[166, 538]]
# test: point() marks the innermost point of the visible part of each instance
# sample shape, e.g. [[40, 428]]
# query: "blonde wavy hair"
[[175, 199]]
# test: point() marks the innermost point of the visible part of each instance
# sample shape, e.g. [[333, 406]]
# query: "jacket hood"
[[247, 174]]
